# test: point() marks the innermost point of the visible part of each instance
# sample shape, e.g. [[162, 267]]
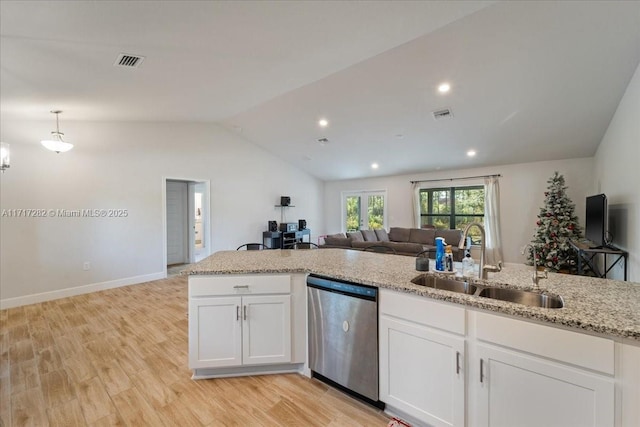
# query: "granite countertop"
[[598, 305]]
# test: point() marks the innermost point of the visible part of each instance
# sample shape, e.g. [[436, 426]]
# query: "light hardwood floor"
[[119, 357]]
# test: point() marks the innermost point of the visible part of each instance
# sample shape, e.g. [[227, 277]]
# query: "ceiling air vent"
[[442, 114], [128, 61], [322, 141]]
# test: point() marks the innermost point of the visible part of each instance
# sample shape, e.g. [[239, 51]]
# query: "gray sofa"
[[405, 241]]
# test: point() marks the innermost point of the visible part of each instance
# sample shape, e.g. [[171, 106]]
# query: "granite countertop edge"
[[594, 319]]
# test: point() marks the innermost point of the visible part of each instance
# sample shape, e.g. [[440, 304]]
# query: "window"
[[453, 207], [364, 210]]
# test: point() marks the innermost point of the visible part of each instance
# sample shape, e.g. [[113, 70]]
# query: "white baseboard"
[[78, 290]]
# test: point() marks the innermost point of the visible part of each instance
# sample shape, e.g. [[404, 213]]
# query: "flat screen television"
[[595, 228]]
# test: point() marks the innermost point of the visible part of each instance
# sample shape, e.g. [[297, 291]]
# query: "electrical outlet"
[[86, 266]]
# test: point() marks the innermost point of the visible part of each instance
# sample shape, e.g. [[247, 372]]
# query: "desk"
[[285, 240], [588, 257]]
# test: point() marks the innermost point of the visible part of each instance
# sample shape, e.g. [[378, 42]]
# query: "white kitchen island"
[[449, 358]]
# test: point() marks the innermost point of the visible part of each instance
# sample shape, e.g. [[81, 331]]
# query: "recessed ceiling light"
[[374, 166], [323, 123], [444, 88], [471, 153]]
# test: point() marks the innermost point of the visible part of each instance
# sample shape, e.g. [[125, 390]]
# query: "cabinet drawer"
[[245, 284], [566, 346], [423, 311]]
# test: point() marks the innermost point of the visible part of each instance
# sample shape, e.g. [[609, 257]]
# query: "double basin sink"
[[528, 298]]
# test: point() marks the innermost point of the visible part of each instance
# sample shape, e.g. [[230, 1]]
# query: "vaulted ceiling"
[[529, 80]]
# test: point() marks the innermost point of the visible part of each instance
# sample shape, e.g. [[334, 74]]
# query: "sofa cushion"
[[451, 237], [369, 235], [362, 245], [423, 236], [399, 234], [405, 248], [382, 235], [355, 236], [338, 235], [337, 241]]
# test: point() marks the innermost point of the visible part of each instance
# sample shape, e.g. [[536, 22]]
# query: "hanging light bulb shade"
[[5, 156], [57, 143]]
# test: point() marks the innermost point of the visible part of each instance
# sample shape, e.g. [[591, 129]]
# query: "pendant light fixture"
[[5, 157], [56, 143]]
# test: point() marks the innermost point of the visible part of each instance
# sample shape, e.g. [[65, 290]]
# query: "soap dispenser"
[[467, 264]]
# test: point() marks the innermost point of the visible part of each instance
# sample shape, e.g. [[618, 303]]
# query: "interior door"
[[201, 203], [364, 210], [177, 224]]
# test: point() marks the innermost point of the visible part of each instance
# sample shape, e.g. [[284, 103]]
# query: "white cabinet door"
[[266, 329], [515, 389], [215, 337], [422, 372]]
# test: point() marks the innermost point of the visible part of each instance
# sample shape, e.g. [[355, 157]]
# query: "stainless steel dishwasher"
[[343, 335]]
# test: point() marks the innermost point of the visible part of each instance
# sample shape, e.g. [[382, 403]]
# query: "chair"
[[380, 249], [253, 247], [305, 245]]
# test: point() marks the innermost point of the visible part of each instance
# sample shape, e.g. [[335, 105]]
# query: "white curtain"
[[415, 200], [493, 252]]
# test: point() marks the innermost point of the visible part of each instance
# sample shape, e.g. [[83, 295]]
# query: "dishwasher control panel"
[[361, 291]]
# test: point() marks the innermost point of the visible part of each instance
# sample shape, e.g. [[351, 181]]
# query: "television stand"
[[588, 258], [598, 247]]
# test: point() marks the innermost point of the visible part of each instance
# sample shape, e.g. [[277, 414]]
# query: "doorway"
[[364, 210], [186, 221]]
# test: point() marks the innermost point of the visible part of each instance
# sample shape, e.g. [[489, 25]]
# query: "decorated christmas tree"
[[557, 223]]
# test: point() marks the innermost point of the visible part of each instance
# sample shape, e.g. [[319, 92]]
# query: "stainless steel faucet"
[[482, 269], [535, 277]]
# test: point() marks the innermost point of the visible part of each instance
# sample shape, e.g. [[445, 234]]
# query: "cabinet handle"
[[481, 371], [245, 312], [237, 313], [241, 287], [457, 362]]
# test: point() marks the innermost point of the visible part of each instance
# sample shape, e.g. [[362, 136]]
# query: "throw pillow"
[[355, 236], [382, 235], [369, 235], [423, 236], [399, 234]]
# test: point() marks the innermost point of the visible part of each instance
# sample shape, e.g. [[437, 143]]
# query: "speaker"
[[273, 226], [302, 224], [285, 200]]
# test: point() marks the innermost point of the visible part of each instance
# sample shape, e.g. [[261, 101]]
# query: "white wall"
[[522, 189], [617, 165], [122, 165]]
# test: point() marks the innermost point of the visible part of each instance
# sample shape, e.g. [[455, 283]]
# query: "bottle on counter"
[[467, 264], [448, 257], [440, 253]]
